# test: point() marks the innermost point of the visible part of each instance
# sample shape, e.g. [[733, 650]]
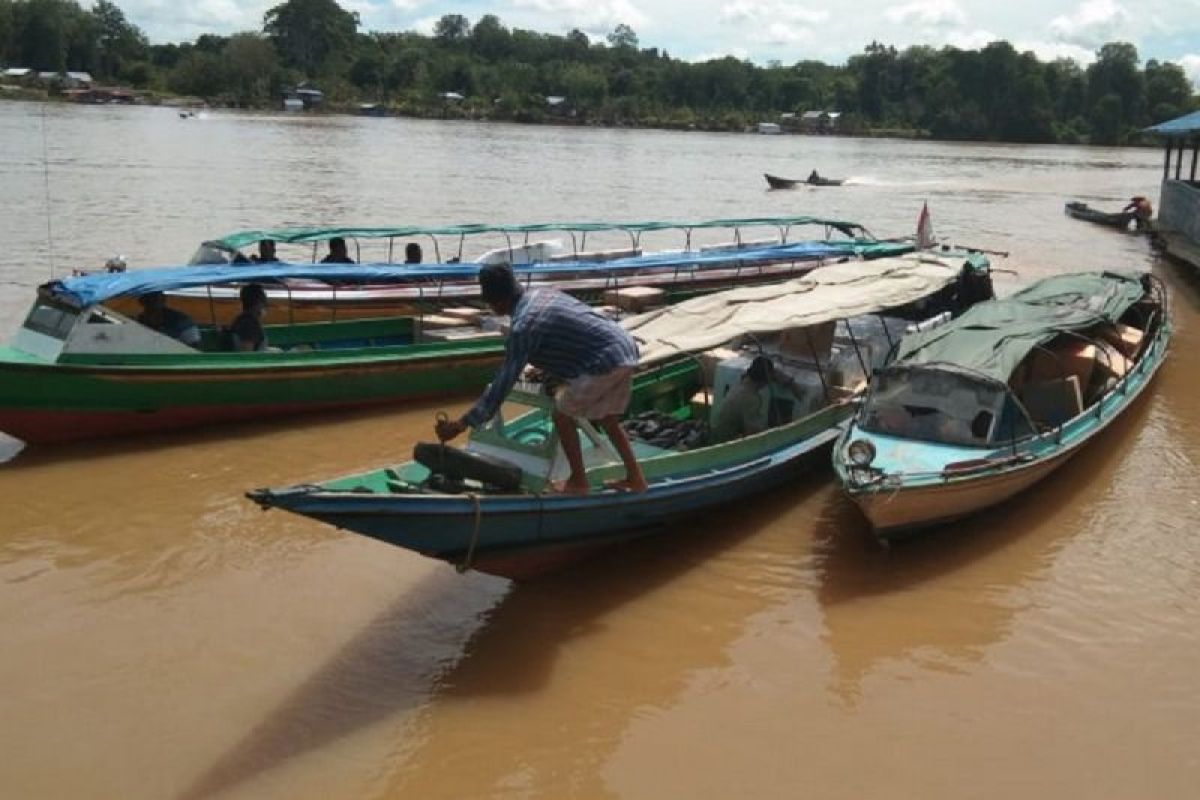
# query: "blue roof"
[[87, 290], [1182, 126]]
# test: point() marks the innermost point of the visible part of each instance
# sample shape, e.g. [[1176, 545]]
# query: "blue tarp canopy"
[[89, 290], [1187, 125]]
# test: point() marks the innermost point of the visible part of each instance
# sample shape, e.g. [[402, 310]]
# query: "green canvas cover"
[[993, 337]]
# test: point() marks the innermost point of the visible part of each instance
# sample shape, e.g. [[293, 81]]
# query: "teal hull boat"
[[487, 507], [971, 413]]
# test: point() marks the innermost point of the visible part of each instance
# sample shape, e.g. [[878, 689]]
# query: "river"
[[163, 638]]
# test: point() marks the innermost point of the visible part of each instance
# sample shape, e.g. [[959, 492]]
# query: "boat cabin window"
[[51, 320], [940, 406]]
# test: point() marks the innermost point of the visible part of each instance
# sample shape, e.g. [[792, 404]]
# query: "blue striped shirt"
[[560, 336]]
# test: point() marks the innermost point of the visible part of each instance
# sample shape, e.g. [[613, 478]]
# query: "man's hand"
[[447, 429]]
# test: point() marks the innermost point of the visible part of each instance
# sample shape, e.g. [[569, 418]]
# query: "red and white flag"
[[925, 238]]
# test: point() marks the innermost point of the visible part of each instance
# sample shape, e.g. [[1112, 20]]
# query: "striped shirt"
[[560, 336]]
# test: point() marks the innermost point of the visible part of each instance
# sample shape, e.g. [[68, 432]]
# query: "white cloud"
[[927, 13], [765, 13], [591, 16], [1093, 23], [425, 25], [740, 53], [1050, 51], [970, 40], [407, 5], [773, 23], [1191, 67]]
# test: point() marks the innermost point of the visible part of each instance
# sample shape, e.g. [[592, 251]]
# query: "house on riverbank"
[[1179, 198]]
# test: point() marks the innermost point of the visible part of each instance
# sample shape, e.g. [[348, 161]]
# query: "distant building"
[[451, 97], [769, 128], [820, 121], [302, 98], [18, 73]]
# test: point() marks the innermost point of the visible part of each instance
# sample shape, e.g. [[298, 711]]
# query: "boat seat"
[[458, 464]]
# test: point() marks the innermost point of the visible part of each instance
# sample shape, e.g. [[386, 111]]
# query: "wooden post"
[[1167, 161], [1179, 160], [1195, 151]]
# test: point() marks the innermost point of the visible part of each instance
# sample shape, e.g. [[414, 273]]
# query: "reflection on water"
[[941, 598], [153, 617]]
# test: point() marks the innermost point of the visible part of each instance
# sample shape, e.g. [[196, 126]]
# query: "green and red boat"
[[82, 366]]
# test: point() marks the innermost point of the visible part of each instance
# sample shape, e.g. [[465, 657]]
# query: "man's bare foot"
[[570, 487], [626, 485]]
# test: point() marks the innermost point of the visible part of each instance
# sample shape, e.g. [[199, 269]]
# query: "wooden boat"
[[1085, 212], [971, 413], [485, 506], [775, 182], [738, 253], [78, 368]]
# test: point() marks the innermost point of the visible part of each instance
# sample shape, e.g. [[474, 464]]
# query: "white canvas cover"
[[829, 293]]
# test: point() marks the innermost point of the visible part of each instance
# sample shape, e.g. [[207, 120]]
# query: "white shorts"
[[596, 396]]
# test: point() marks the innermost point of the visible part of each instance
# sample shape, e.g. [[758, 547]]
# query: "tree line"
[[995, 93]]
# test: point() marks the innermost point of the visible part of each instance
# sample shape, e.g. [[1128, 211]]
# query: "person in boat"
[[591, 356], [246, 332], [412, 253], [1140, 211], [745, 410], [157, 316], [813, 177], [337, 252], [266, 252]]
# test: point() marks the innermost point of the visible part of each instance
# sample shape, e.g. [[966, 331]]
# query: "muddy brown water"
[[163, 638]]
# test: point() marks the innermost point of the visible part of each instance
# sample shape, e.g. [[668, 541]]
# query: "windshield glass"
[[942, 406]]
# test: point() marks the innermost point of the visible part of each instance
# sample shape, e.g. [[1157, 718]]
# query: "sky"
[[761, 30]]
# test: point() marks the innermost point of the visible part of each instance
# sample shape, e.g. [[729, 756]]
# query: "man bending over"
[[565, 339]]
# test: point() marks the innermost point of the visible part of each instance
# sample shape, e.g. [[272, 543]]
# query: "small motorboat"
[[1085, 212], [776, 182], [974, 411]]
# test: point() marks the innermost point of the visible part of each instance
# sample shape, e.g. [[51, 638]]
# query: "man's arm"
[[516, 355]]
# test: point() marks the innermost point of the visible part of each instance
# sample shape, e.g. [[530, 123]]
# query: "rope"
[[466, 563], [46, 185]]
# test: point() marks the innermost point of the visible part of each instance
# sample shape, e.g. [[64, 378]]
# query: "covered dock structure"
[[1179, 198]]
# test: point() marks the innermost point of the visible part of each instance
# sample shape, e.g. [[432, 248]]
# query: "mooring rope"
[[470, 557]]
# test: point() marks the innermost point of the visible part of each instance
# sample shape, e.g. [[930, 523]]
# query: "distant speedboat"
[[776, 182], [974, 411]]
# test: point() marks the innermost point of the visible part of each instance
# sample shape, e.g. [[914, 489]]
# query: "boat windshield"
[[942, 406]]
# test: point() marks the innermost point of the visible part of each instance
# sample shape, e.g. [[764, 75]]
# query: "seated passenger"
[[337, 252], [745, 410], [157, 316], [412, 253], [246, 331], [266, 252]]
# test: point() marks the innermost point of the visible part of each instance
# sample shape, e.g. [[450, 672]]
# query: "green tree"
[[1115, 73], [452, 29], [1108, 120], [490, 40], [198, 73], [1168, 91], [311, 35], [250, 68], [623, 37], [119, 42]]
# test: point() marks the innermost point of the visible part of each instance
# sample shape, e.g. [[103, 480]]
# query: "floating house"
[[1179, 198]]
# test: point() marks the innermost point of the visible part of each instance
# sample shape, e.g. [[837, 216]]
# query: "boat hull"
[[521, 536], [316, 302], [58, 403], [1084, 212]]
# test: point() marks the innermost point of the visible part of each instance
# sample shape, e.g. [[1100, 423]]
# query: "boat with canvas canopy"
[[83, 366], [973, 412], [487, 506], [592, 260]]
